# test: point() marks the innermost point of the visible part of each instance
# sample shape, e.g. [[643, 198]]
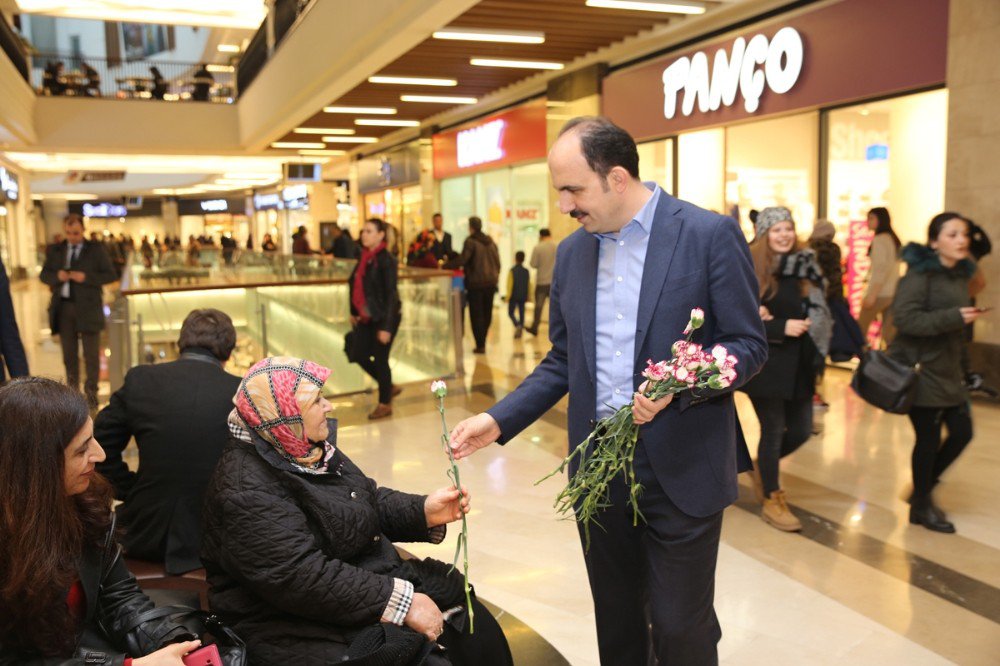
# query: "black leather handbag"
[[232, 649], [886, 383]]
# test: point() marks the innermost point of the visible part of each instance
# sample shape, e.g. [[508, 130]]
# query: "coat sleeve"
[[401, 515], [102, 271], [390, 283], [113, 430], [910, 312], [11, 347], [53, 265], [271, 550], [546, 385], [883, 258]]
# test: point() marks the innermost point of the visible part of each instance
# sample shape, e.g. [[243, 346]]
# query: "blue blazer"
[[11, 350], [695, 258]]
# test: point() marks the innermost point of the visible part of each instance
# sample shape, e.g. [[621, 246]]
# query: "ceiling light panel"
[[323, 130], [215, 14], [221, 69], [361, 110], [228, 48], [413, 81], [438, 99], [486, 35], [175, 164], [349, 139], [330, 153], [517, 64], [671, 7], [298, 144], [386, 122]]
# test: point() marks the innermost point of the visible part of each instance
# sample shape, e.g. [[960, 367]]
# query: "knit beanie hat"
[[770, 216]]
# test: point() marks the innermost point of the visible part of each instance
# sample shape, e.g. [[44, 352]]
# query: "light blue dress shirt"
[[620, 262]]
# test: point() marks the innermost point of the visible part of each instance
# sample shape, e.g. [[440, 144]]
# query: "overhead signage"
[[295, 197], [215, 205], [266, 201], [510, 137], [397, 168], [104, 210], [9, 185], [737, 69]]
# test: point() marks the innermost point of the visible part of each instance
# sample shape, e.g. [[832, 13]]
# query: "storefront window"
[[656, 163], [701, 160], [530, 187], [773, 163], [457, 206]]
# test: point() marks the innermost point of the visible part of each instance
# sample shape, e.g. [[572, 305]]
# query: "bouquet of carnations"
[[610, 449]]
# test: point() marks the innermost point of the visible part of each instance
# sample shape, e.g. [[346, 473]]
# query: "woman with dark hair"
[[298, 542], [66, 597], [883, 276], [798, 326], [931, 309], [376, 311]]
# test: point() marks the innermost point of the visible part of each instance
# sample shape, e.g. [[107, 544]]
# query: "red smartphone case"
[[206, 656]]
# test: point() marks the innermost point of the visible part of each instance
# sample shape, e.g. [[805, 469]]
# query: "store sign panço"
[[736, 69]]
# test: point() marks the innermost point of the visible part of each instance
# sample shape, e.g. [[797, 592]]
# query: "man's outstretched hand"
[[473, 434]]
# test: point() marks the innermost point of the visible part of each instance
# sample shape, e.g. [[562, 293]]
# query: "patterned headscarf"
[[270, 401], [769, 217]]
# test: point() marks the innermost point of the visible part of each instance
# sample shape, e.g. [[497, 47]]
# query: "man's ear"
[[618, 178]]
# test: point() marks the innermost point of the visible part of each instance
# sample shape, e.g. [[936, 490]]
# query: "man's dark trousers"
[[481, 313], [676, 555], [69, 338]]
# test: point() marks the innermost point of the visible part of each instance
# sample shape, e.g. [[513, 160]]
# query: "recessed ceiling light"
[[214, 14], [485, 35], [323, 152], [228, 48], [361, 110], [323, 130], [518, 64], [221, 69], [386, 122], [438, 99], [413, 81], [350, 139], [297, 144], [670, 7]]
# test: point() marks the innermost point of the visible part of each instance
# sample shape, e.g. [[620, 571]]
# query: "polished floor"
[[859, 585]]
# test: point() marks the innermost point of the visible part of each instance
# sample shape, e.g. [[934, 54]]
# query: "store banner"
[[213, 206], [393, 169], [837, 53], [502, 139], [859, 239]]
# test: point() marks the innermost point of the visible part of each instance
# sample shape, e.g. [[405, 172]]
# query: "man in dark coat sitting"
[[177, 413]]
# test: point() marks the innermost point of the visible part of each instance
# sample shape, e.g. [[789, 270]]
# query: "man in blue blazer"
[[623, 290]]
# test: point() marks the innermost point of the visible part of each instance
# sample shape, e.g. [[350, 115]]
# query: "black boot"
[[923, 512]]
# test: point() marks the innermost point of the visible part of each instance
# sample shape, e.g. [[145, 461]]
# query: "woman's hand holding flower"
[[444, 506]]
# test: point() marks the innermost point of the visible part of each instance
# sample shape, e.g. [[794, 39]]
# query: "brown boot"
[[776, 513], [383, 410]]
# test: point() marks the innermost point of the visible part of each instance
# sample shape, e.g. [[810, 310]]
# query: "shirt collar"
[[644, 218]]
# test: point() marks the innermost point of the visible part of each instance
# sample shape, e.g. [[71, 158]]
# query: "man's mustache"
[[576, 214]]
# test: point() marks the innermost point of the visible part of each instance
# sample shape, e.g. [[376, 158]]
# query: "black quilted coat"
[[298, 563]]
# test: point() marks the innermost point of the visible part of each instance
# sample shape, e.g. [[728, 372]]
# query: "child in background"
[[517, 292]]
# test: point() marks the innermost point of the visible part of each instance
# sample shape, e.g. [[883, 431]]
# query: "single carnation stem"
[[462, 546]]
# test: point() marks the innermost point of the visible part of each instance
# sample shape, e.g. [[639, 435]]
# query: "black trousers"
[[653, 583], [515, 310], [785, 425], [70, 338], [486, 647], [376, 361], [541, 295], [480, 313], [931, 457]]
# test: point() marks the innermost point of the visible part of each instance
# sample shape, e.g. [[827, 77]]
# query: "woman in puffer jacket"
[[66, 598], [297, 543], [931, 310]]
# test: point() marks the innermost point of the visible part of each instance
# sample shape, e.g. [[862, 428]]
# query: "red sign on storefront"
[[510, 137]]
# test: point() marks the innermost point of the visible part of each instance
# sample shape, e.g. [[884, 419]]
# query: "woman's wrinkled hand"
[[443, 506], [425, 617], [172, 655]]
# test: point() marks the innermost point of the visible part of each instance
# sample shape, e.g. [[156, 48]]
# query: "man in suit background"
[[76, 270], [177, 412], [11, 350], [442, 239], [622, 292]]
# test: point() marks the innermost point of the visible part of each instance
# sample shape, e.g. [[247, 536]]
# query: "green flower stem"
[[462, 545]]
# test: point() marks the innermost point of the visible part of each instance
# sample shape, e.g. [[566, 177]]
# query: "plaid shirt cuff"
[[399, 602], [437, 534]]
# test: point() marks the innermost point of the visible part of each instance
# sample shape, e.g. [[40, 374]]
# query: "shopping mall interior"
[[218, 150]]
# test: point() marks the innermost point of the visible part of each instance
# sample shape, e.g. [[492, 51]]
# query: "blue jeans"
[[516, 307]]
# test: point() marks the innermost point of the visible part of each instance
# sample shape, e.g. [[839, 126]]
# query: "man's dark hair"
[[604, 145], [437, 215], [519, 256], [73, 218], [475, 224], [209, 329], [544, 233]]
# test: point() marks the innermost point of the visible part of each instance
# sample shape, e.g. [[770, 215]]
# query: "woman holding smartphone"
[[931, 310]]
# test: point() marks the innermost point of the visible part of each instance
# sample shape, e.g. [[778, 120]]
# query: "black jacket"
[[381, 292], [94, 262], [442, 248], [480, 259], [299, 563], [11, 350], [790, 369], [108, 633], [177, 414]]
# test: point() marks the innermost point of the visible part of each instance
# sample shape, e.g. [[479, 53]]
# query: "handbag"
[[232, 649], [886, 383]]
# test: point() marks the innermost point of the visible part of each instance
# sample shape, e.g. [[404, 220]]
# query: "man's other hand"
[[473, 434]]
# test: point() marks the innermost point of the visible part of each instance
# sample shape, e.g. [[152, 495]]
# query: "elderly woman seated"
[[298, 543]]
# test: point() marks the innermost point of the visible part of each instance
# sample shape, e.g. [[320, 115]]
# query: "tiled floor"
[[858, 586]]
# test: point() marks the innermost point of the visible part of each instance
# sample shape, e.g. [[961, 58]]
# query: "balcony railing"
[[130, 79], [12, 45]]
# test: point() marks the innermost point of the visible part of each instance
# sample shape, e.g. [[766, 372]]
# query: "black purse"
[[886, 383], [232, 649]]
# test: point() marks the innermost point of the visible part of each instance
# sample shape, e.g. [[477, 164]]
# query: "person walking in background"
[[268, 244], [13, 360], [300, 242], [344, 246], [828, 258], [480, 259], [930, 310], [76, 270], [161, 513], [376, 311], [518, 280], [203, 82], [159, 83], [798, 325], [442, 239], [543, 260], [883, 275]]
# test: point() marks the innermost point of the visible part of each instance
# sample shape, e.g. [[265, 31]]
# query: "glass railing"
[[280, 305]]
